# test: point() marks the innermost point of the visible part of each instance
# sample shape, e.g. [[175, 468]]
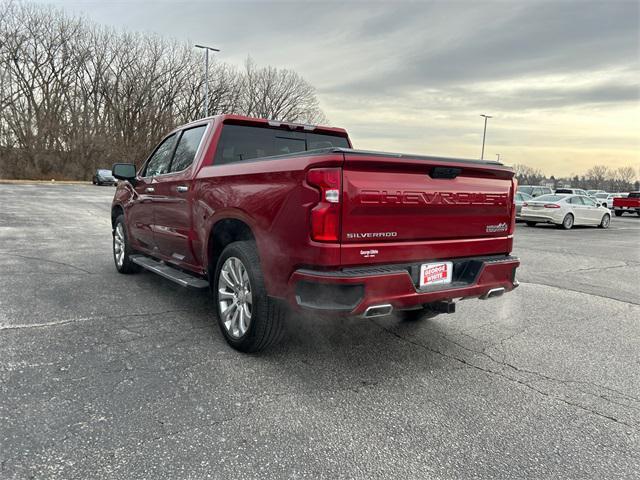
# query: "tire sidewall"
[[258, 294], [606, 217]]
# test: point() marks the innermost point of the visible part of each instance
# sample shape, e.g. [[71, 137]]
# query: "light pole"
[[206, 76], [486, 117], [498, 155]]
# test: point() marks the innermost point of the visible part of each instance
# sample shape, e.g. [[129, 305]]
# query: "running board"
[[178, 276]]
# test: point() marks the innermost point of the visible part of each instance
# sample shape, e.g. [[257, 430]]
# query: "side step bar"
[[170, 273]]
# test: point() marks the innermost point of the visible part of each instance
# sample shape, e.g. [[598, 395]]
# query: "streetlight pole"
[[206, 76], [484, 134], [498, 155]]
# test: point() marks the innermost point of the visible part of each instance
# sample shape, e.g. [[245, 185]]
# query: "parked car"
[[592, 193], [103, 177], [628, 204], [534, 190], [601, 198], [269, 214], [565, 211], [521, 198], [611, 196], [572, 191]]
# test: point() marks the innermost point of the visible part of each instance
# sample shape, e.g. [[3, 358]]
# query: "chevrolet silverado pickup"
[[269, 215], [628, 204]]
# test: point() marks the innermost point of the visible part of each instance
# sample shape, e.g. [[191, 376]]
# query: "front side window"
[[187, 148], [159, 162]]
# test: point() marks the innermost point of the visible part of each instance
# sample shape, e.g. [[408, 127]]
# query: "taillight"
[[525, 204], [551, 205], [325, 216]]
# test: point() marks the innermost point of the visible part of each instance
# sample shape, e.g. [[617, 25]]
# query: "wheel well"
[[222, 234], [115, 212]]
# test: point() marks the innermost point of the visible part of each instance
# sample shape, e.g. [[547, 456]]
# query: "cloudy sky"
[[560, 78]]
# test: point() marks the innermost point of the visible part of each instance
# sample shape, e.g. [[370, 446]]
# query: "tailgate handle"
[[445, 172]]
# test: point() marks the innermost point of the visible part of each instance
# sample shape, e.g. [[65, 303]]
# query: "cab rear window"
[[241, 142]]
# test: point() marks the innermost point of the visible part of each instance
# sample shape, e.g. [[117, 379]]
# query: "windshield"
[[106, 173], [527, 190]]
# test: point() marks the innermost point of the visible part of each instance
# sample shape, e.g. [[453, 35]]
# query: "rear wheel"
[[249, 319], [121, 249], [618, 213], [567, 222], [606, 220], [531, 224]]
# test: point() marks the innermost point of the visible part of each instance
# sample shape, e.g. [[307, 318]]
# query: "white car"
[[565, 210], [601, 198]]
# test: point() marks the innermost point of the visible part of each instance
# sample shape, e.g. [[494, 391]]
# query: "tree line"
[[75, 96], [598, 177]]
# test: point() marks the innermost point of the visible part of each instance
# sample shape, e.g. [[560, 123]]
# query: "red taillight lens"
[[525, 204], [325, 216], [551, 205]]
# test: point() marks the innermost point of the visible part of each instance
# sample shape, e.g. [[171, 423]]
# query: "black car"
[[103, 177]]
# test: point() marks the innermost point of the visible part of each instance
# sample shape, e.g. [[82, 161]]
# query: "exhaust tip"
[[378, 311], [494, 292]]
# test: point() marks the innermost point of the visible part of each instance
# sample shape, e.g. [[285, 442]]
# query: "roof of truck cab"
[[264, 122]]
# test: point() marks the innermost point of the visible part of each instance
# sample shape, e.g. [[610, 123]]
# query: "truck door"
[[172, 202], [140, 212]]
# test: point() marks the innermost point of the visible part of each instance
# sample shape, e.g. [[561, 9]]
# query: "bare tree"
[[75, 96]]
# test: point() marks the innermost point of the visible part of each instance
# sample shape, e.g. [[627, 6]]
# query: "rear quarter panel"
[[273, 198]]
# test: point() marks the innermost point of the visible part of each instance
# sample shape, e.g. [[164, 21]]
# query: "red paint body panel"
[[469, 215], [631, 202]]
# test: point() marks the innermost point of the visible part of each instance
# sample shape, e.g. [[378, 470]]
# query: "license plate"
[[435, 273]]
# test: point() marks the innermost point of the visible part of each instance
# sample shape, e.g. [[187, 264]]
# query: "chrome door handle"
[[182, 188], [149, 189]]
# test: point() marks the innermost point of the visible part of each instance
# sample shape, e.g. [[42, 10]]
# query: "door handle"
[[182, 188], [149, 189]]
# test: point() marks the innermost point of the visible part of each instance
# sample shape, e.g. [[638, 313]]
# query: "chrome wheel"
[[235, 301], [119, 245], [605, 221]]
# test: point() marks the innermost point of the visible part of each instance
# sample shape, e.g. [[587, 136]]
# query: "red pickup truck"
[[628, 204], [267, 214]]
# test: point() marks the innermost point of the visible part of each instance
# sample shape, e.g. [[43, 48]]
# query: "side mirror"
[[124, 171]]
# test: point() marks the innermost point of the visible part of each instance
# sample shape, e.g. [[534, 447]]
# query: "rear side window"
[[576, 201], [161, 158], [240, 142], [187, 148]]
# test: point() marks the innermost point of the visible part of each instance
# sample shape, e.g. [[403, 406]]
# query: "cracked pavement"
[[110, 376]]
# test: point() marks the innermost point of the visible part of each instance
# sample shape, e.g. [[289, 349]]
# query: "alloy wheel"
[[235, 301]]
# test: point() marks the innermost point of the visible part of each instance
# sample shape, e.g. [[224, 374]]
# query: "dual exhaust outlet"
[[385, 309]]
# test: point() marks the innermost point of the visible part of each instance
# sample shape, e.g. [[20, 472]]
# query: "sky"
[[561, 79]]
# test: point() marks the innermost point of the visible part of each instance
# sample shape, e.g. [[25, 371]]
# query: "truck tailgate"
[[388, 199]]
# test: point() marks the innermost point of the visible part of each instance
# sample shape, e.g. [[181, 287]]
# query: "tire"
[[606, 220], [567, 222], [265, 315], [618, 213], [121, 242], [531, 224], [423, 313]]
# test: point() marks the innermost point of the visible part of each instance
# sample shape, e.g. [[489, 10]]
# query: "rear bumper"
[[352, 290]]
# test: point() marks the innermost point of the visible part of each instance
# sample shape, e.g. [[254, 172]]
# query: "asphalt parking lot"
[[110, 376]]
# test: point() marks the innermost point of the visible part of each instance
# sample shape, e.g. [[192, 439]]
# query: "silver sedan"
[[565, 210]]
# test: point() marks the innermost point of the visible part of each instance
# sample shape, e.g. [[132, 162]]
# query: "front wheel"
[[121, 249], [249, 319], [618, 213], [567, 222], [606, 220]]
